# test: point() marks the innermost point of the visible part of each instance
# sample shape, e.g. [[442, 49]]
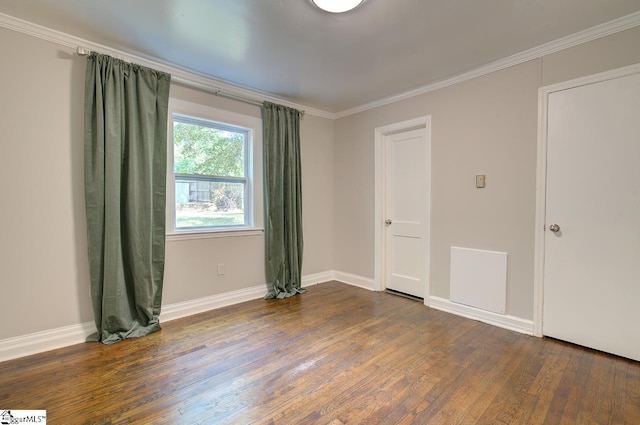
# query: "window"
[[210, 173], [211, 170]]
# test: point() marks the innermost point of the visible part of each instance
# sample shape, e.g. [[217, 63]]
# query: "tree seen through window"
[[210, 174]]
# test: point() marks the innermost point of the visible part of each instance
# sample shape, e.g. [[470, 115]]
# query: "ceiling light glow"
[[337, 6]]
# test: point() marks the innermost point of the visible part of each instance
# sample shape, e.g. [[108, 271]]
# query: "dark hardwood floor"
[[335, 355]]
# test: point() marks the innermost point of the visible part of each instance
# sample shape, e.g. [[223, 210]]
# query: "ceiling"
[[292, 50]]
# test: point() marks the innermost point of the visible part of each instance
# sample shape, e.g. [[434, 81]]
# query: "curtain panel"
[[283, 200], [126, 107]]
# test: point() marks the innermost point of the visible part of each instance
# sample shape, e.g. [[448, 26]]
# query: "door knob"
[[554, 228], [388, 222]]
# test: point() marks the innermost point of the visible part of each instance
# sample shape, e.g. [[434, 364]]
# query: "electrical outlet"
[[220, 269], [480, 181]]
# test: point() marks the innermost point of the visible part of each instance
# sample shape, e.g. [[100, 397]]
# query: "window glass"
[[208, 150], [210, 173]]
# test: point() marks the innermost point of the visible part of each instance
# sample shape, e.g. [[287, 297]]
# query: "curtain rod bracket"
[[81, 51]]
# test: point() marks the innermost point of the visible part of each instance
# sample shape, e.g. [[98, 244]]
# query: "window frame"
[[194, 113]]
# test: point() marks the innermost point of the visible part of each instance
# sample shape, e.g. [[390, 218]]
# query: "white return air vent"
[[479, 278]]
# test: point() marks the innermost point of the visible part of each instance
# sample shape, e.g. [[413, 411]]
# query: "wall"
[[43, 261], [191, 264], [487, 125]]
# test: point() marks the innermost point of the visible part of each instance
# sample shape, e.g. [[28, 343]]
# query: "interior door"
[[592, 237], [405, 212]]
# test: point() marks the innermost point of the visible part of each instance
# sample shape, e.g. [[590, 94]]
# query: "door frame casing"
[[380, 260], [541, 179]]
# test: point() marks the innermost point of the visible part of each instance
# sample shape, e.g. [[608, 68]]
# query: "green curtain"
[[125, 150], [283, 200]]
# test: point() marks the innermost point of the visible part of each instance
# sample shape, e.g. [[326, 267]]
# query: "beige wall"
[[614, 51], [473, 132], [487, 125], [43, 261], [191, 264], [317, 137]]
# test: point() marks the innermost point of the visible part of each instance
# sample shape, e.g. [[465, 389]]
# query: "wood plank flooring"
[[336, 355]]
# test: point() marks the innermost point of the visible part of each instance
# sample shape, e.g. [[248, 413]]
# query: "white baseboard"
[[200, 305], [354, 280], [503, 321], [38, 342], [25, 345], [316, 278]]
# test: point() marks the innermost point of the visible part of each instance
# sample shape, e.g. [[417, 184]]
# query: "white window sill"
[[212, 234]]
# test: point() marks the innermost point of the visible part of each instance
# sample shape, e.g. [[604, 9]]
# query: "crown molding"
[[206, 82], [593, 33], [72, 42]]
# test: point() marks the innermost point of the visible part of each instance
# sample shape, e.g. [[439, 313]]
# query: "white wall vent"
[[479, 279]]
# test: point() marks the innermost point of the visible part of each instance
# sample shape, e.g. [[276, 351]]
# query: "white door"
[[405, 212], [592, 237]]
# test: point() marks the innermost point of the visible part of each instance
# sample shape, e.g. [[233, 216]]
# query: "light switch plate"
[[480, 181]]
